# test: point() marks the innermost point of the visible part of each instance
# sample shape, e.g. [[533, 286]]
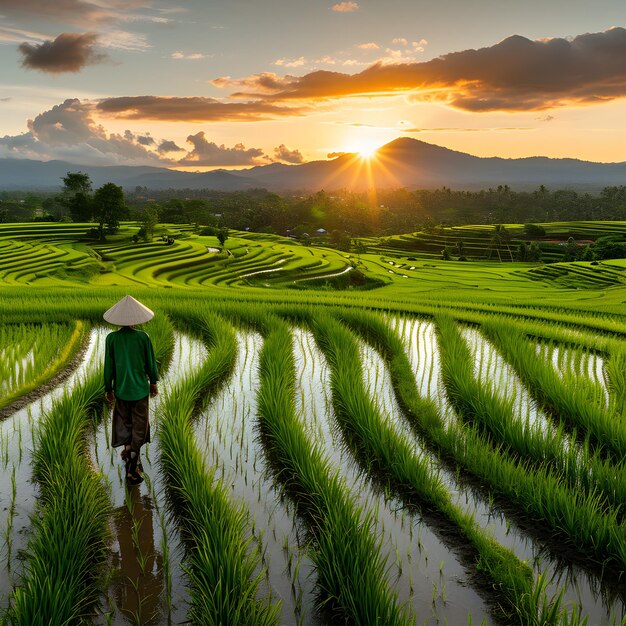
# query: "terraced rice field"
[[317, 457]]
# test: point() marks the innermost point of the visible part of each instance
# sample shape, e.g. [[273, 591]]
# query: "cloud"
[[456, 129], [142, 140], [368, 46], [68, 131], [208, 153], [194, 56], [334, 155], [516, 74], [69, 52], [193, 109], [79, 12], [169, 146], [299, 62], [399, 41], [345, 7], [124, 40], [10, 34], [283, 153]]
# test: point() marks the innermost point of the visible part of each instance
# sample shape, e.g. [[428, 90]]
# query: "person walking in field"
[[130, 379]]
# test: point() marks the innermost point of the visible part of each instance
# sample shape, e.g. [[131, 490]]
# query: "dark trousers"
[[131, 426]]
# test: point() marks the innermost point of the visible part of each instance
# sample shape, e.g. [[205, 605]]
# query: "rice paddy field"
[[436, 443]]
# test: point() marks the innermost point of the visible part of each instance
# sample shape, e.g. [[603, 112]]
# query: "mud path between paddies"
[[18, 492], [598, 602], [148, 584]]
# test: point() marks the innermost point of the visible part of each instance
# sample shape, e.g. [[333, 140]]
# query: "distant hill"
[[403, 162], [411, 163], [46, 175]]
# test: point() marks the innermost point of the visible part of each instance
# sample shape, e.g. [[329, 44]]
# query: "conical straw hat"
[[128, 312]]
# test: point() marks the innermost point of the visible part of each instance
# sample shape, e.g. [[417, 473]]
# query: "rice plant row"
[[387, 454], [30, 355], [350, 570], [66, 554], [221, 563], [560, 393], [581, 468], [537, 494]]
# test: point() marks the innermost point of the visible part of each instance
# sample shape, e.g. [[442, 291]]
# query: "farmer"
[[130, 377]]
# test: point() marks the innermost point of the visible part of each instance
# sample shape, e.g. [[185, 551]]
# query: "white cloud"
[[208, 153], [299, 62], [194, 56], [124, 40], [9, 34], [68, 131]]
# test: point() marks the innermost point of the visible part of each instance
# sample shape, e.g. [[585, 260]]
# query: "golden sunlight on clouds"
[[558, 72], [345, 7]]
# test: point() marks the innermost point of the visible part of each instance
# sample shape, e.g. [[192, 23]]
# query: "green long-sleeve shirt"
[[129, 364]]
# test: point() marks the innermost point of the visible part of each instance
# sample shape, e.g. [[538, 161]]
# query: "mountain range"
[[404, 162]]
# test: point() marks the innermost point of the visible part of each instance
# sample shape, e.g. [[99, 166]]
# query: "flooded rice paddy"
[[424, 567]]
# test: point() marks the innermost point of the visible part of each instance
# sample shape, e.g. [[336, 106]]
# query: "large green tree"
[[76, 196], [150, 220], [109, 208]]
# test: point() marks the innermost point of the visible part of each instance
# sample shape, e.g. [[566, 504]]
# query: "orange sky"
[[197, 86]]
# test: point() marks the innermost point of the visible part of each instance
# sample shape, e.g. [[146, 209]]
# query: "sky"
[[205, 84]]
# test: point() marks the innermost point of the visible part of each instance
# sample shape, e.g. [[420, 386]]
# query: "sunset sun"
[[366, 149]]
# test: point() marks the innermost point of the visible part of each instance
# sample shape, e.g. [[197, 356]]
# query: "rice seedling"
[[66, 555], [469, 450], [350, 572], [31, 355], [388, 455], [220, 566], [561, 394], [478, 403]]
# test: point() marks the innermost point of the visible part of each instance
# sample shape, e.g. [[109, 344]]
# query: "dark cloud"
[[208, 153], [515, 74], [69, 52], [283, 153], [193, 109], [169, 146], [142, 140]]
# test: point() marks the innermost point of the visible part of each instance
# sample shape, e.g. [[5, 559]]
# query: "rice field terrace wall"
[[317, 464]]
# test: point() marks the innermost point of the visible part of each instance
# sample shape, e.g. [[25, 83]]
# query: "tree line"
[[357, 214]]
